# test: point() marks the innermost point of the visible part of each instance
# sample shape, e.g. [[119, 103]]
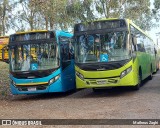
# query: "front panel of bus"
[[103, 55], [34, 63]]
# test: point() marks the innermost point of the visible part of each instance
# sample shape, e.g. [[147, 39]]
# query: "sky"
[[151, 33]]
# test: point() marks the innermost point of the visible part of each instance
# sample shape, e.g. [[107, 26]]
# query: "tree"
[[79, 10], [137, 10], [26, 16], [5, 8], [108, 8], [156, 10]]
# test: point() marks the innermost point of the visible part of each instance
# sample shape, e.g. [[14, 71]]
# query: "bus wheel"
[[137, 87], [151, 74]]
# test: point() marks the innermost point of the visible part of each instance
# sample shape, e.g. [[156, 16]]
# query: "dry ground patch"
[[4, 80]]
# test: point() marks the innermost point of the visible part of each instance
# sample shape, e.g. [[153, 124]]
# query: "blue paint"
[[34, 66], [65, 82], [103, 57]]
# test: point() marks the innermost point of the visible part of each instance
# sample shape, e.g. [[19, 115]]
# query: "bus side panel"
[[68, 77], [56, 86], [146, 61]]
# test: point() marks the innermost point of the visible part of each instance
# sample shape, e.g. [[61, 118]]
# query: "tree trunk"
[[46, 20], [4, 18]]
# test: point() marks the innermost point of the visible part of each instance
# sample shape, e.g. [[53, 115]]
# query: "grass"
[[4, 80]]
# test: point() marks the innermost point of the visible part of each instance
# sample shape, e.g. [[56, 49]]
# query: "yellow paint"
[[29, 84], [4, 42]]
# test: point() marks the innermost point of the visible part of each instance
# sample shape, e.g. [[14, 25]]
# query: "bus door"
[[67, 64]]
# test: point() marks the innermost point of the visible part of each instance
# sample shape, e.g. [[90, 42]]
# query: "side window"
[[140, 43], [140, 39], [65, 51], [133, 38]]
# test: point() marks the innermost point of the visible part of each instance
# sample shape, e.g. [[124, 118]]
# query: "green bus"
[[113, 52]]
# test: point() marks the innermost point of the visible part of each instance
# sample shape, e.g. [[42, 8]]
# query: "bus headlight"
[[54, 79], [80, 75], [125, 72], [13, 83]]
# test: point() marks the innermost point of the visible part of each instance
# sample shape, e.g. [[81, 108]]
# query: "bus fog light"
[[13, 83]]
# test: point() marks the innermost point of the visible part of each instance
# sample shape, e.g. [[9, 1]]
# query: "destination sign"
[[97, 25], [31, 36]]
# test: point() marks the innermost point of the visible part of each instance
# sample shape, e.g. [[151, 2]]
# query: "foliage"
[[5, 8], [156, 10], [22, 15], [136, 10]]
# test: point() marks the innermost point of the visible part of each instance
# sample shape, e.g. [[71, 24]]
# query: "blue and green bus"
[[41, 61]]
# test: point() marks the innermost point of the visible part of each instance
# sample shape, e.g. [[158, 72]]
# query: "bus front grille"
[[37, 87], [101, 81]]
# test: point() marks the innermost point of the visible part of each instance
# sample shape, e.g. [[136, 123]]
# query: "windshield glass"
[[31, 57], [110, 46]]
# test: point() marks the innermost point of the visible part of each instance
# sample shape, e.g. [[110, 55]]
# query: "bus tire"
[[137, 87], [151, 74]]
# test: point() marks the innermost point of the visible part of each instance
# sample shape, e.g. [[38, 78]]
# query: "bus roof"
[[4, 36], [128, 22], [58, 32], [33, 31]]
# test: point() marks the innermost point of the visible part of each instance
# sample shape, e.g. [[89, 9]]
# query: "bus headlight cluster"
[[13, 83], [125, 72], [54, 79], [80, 75]]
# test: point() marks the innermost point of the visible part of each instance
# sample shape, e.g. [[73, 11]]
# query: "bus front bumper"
[[37, 89], [128, 80]]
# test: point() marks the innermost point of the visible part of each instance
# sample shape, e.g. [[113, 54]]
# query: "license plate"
[[32, 89], [101, 82]]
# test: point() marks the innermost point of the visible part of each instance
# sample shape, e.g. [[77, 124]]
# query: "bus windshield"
[[32, 57], [106, 47]]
